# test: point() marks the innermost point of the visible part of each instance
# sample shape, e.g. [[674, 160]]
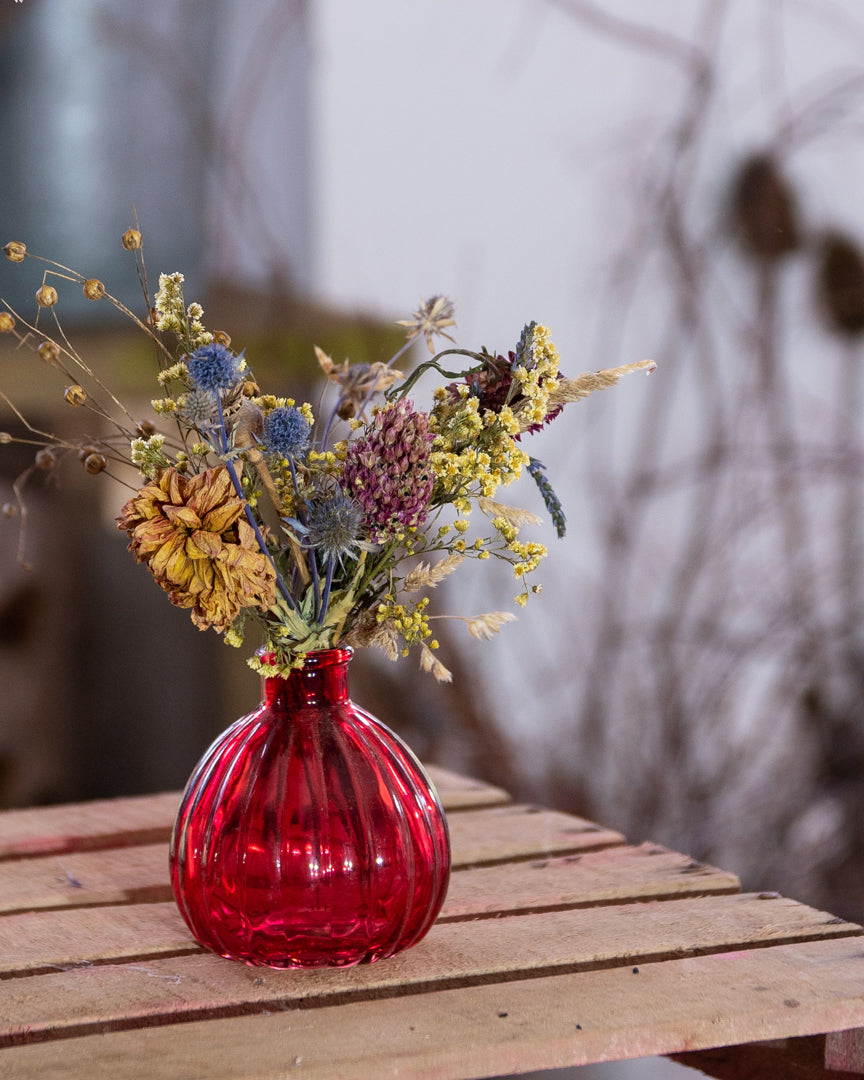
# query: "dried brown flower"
[[191, 533], [432, 317]]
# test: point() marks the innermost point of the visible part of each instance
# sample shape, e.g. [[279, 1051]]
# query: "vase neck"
[[321, 681]]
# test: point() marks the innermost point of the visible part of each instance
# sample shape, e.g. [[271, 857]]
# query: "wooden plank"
[[461, 792], [41, 939], [147, 819], [461, 953], [503, 833], [778, 1059], [845, 1050], [140, 873], [611, 875], [509, 1027], [84, 826]]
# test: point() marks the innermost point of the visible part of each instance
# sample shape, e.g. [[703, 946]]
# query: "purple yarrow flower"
[[387, 471], [213, 367], [286, 432]]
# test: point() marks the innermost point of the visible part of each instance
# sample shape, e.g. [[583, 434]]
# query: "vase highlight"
[[309, 834]]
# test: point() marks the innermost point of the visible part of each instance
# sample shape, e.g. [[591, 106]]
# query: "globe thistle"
[[286, 432], [198, 408], [213, 367], [388, 471], [334, 525]]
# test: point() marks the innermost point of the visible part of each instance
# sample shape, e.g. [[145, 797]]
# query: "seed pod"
[[764, 208], [94, 289], [86, 451], [46, 459], [132, 240], [75, 395], [10, 510], [15, 251], [7, 323], [146, 428], [840, 284], [49, 351], [95, 463], [46, 296], [5, 438], [221, 338]]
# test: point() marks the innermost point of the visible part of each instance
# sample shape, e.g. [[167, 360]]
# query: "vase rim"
[[313, 660]]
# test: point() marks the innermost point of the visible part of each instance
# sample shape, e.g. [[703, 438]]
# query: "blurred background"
[[681, 181]]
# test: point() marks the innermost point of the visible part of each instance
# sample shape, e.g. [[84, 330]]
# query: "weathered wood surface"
[[488, 1030], [139, 873], [558, 944], [148, 818]]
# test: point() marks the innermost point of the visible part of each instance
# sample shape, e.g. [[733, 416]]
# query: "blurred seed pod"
[[221, 338], [46, 458], [146, 428], [840, 284], [764, 207], [93, 289], [15, 251], [132, 240], [7, 323], [75, 395], [49, 351], [46, 296], [10, 510], [95, 463]]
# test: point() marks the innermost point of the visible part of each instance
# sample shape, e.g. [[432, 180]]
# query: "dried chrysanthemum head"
[[15, 251], [7, 323], [198, 546], [132, 239], [93, 289], [431, 318], [46, 296]]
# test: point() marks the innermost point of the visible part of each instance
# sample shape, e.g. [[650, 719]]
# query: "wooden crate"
[[559, 944]]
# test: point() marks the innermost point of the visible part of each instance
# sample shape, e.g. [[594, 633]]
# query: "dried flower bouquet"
[[326, 527]]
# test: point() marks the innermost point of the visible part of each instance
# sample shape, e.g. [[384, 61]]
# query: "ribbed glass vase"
[[309, 834]]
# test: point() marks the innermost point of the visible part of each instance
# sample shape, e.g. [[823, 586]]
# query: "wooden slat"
[[611, 875], [42, 939], [140, 873], [508, 1027], [148, 818], [502, 833], [462, 953], [85, 826]]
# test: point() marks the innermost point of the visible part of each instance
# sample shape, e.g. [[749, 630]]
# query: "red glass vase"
[[309, 834]]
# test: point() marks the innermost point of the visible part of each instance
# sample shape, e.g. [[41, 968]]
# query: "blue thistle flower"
[[286, 432], [199, 408], [213, 367], [333, 526]]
